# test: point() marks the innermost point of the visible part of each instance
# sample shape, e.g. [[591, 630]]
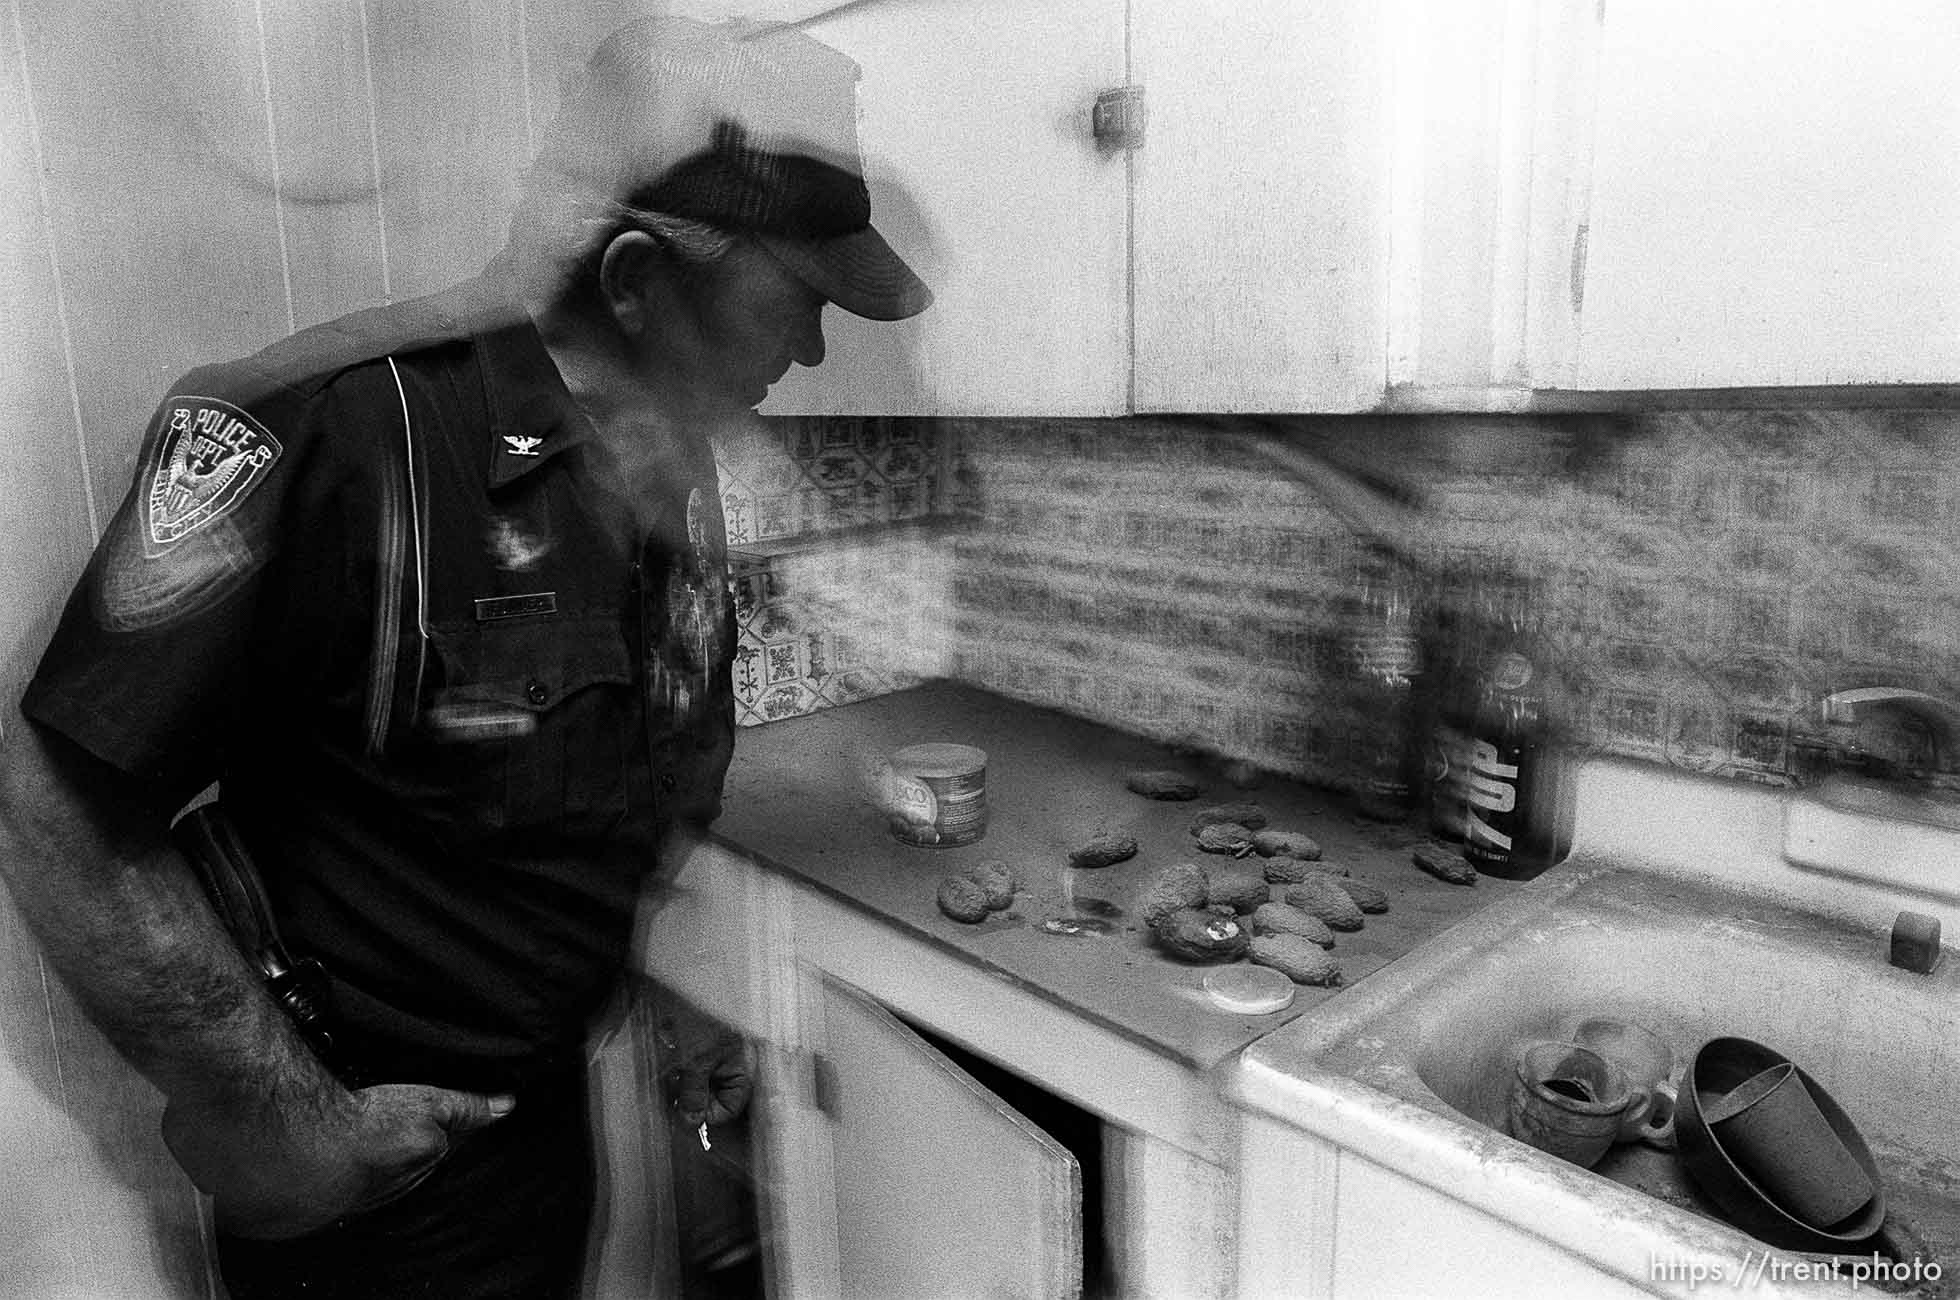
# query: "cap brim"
[[859, 272]]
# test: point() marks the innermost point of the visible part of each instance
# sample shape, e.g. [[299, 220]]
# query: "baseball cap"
[[746, 126]]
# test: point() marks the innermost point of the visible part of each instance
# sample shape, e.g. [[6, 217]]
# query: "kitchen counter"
[[793, 804]]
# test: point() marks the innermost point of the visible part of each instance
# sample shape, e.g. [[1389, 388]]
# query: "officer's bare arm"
[[119, 913], [252, 1116]]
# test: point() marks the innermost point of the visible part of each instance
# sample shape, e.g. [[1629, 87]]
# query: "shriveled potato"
[[1102, 851], [1291, 871], [1175, 889], [964, 899], [1284, 918], [1444, 863], [1225, 837], [1285, 844], [1249, 815], [1196, 935], [999, 879], [1295, 958], [1161, 783], [1367, 895], [1240, 890], [1319, 896]]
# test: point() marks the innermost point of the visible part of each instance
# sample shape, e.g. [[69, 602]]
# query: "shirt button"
[[534, 690], [667, 782]]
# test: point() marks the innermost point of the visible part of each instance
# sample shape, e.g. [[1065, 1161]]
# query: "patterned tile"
[[792, 477], [1705, 576], [830, 621]]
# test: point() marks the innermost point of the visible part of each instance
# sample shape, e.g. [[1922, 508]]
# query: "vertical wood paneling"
[[119, 1112], [47, 533], [41, 548], [70, 1225], [316, 58], [96, 1206], [155, 150], [449, 91], [560, 35]]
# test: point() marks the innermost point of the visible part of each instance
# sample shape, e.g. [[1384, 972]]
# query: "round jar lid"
[[1248, 990]]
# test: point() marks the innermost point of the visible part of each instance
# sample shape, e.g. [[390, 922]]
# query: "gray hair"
[[689, 242], [560, 236]]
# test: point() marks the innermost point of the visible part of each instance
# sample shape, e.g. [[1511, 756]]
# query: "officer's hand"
[[711, 1074], [277, 1171]]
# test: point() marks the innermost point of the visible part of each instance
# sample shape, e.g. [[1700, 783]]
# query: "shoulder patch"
[[209, 457]]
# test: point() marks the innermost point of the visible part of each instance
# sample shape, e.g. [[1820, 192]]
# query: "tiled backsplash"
[[840, 592], [838, 621], [804, 477], [1704, 576]]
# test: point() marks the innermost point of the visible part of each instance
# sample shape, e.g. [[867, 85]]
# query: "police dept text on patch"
[[210, 458]]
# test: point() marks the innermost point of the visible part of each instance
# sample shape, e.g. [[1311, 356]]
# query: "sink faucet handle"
[[1911, 731], [1843, 706]]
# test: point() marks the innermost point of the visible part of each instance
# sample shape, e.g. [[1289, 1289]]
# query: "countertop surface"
[[794, 802]]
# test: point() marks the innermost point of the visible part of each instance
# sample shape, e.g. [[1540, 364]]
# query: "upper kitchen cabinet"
[[1774, 199], [1232, 259], [1260, 235], [975, 124]]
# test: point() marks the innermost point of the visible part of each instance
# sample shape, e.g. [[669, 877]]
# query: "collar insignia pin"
[[521, 445]]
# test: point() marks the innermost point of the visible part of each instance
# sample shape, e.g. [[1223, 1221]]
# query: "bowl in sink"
[[1722, 1070]]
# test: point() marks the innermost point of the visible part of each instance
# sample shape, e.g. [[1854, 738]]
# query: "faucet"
[[1881, 803], [1891, 752]]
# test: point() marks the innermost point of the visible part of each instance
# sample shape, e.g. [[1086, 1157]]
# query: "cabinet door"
[[975, 124], [942, 1189], [1774, 198], [1261, 222]]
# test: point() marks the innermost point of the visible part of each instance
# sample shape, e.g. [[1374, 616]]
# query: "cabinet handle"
[[823, 1085], [1119, 118]]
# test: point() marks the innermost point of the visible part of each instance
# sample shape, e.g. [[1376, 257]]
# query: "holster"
[[231, 880]]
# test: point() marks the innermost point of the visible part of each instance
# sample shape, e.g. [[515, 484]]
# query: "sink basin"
[[1407, 1071], [1694, 964]]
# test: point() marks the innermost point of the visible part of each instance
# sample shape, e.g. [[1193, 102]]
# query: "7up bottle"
[[1518, 790]]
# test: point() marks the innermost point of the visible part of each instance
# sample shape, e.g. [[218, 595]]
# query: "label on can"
[[1493, 799], [949, 805], [1512, 672]]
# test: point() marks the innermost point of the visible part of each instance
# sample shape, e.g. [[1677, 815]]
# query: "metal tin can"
[[942, 791]]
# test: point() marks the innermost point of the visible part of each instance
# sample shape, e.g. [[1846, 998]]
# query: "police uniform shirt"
[[457, 690]]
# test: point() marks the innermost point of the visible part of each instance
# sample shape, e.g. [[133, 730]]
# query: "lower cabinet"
[[940, 1184], [920, 1126]]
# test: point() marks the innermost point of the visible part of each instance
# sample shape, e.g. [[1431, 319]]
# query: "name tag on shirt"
[[489, 608], [469, 723]]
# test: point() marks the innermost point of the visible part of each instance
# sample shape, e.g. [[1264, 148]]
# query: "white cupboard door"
[[975, 120], [1262, 194], [942, 1189], [1774, 196]]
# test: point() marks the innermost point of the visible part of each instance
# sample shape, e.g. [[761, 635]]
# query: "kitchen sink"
[[1694, 964], [1410, 1068]]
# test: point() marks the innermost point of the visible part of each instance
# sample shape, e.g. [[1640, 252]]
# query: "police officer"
[[435, 595]]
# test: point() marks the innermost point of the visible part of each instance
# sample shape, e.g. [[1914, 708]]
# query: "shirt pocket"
[[531, 724]]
